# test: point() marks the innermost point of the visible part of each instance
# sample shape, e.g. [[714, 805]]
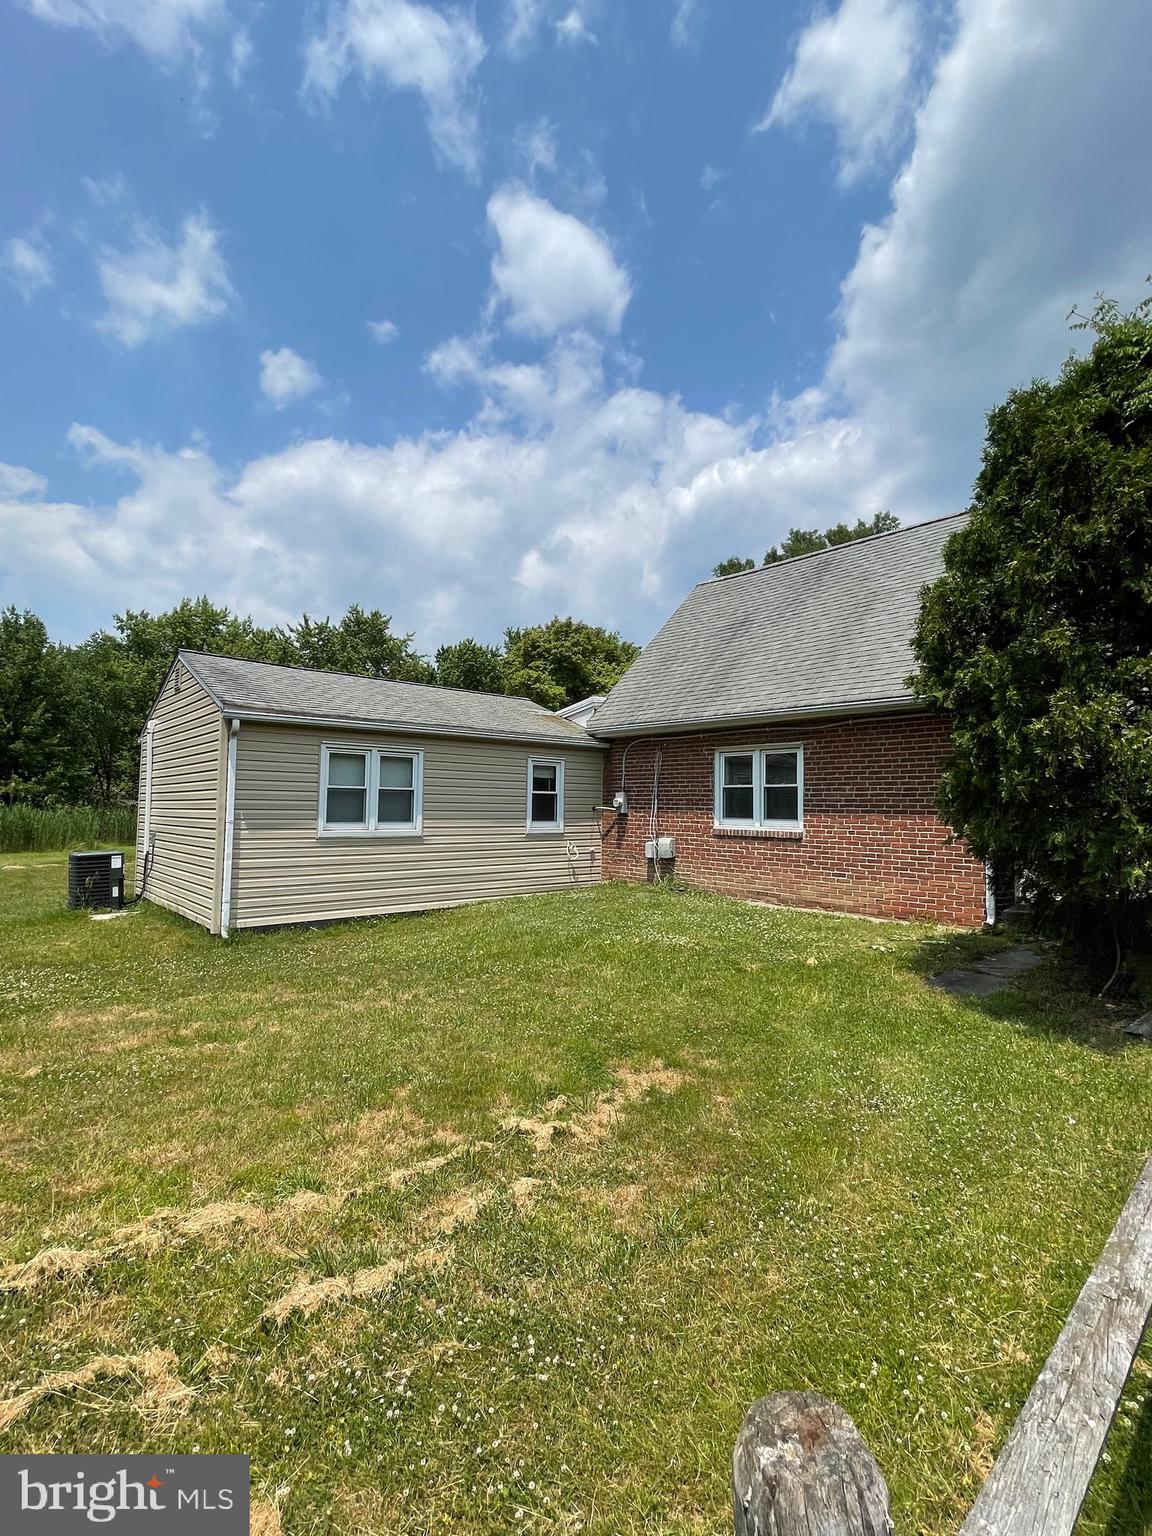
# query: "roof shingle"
[[816, 633], [260, 688]]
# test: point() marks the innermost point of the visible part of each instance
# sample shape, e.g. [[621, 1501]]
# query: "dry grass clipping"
[[307, 1296], [457, 1211], [523, 1192], [597, 1123], [161, 1390]]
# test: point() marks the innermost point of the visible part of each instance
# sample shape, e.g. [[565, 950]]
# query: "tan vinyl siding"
[[186, 747], [474, 844]]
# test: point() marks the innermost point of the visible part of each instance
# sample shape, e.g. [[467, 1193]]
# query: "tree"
[[733, 566], [361, 642], [564, 660], [1037, 638], [470, 664], [34, 762], [807, 541]]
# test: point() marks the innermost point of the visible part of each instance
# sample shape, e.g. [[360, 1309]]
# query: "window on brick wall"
[[760, 787]]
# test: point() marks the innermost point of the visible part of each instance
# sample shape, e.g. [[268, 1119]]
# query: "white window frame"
[[758, 822], [547, 826], [372, 827]]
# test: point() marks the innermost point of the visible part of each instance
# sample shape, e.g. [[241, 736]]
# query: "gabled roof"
[[818, 634], [260, 690]]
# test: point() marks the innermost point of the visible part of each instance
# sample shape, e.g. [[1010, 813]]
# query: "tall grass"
[[30, 829]]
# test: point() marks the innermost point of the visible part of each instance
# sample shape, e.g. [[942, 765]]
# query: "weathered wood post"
[[801, 1468]]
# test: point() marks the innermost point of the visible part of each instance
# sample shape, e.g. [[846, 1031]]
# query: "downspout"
[[989, 897], [229, 823], [146, 827]]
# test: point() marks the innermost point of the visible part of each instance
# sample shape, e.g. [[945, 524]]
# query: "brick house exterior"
[[871, 840], [768, 729]]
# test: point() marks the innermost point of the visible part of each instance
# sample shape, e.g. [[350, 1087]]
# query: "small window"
[[370, 791], [762, 788], [545, 795]]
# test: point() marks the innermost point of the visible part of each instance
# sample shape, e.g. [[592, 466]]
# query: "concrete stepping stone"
[[992, 974]]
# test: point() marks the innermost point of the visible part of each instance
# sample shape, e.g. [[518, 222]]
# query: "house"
[[768, 730], [275, 795]]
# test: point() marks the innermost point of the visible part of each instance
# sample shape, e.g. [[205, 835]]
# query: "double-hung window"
[[370, 790], [545, 794], [760, 788]]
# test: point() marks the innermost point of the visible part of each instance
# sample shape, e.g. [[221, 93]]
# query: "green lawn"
[[776, 1159]]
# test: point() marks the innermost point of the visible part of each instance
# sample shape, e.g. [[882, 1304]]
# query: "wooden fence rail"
[[801, 1468]]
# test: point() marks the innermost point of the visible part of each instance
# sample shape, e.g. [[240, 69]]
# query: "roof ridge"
[[828, 549], [403, 682]]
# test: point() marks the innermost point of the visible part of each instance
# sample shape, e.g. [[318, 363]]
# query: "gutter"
[[408, 728], [146, 827], [229, 829], [900, 705]]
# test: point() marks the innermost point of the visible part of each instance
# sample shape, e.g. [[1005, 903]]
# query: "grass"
[[837, 1178], [30, 828]]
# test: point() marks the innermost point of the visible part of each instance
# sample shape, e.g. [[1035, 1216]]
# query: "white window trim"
[[413, 828], [757, 823], [546, 826]]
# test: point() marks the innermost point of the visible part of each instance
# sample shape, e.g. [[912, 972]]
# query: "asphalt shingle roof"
[[816, 633], [298, 694]]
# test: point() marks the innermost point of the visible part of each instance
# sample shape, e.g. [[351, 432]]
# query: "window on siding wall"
[[545, 794], [761, 787], [370, 791]]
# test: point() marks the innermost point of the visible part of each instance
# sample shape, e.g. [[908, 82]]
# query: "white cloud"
[[522, 24], [26, 262], [164, 28], [571, 488], [156, 286], [853, 69], [685, 20], [572, 29], [240, 53], [536, 145], [551, 270], [383, 331], [710, 178], [15, 482], [285, 376], [409, 47]]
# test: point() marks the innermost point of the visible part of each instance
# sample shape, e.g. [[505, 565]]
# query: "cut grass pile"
[[498, 1219]]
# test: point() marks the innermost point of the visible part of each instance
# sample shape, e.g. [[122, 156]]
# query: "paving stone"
[[984, 977]]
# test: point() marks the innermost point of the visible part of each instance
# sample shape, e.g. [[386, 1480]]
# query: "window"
[[758, 788], [368, 790], [545, 795]]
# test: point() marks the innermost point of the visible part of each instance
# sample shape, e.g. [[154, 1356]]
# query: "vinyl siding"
[[474, 844], [186, 761]]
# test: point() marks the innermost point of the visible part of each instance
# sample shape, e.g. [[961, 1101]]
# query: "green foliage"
[[361, 642], [733, 566], [1037, 639], [564, 660], [470, 664], [807, 541], [33, 716], [33, 828]]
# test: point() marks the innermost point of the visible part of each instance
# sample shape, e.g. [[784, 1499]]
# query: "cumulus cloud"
[[383, 331], [406, 47], [157, 285], [571, 487], [16, 482], [26, 262], [551, 270], [285, 376], [853, 69], [166, 29]]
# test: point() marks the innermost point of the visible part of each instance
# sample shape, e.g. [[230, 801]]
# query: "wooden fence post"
[[801, 1468]]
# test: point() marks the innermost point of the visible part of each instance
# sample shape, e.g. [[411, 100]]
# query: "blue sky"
[[479, 315]]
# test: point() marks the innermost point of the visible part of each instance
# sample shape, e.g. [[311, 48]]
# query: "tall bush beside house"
[[1037, 640]]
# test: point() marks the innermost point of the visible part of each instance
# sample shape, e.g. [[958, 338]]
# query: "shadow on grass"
[[1047, 1000], [1131, 1511]]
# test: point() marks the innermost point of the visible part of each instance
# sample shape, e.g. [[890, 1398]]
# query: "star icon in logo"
[[154, 1482]]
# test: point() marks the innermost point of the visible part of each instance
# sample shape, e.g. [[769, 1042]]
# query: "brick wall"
[[872, 841]]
